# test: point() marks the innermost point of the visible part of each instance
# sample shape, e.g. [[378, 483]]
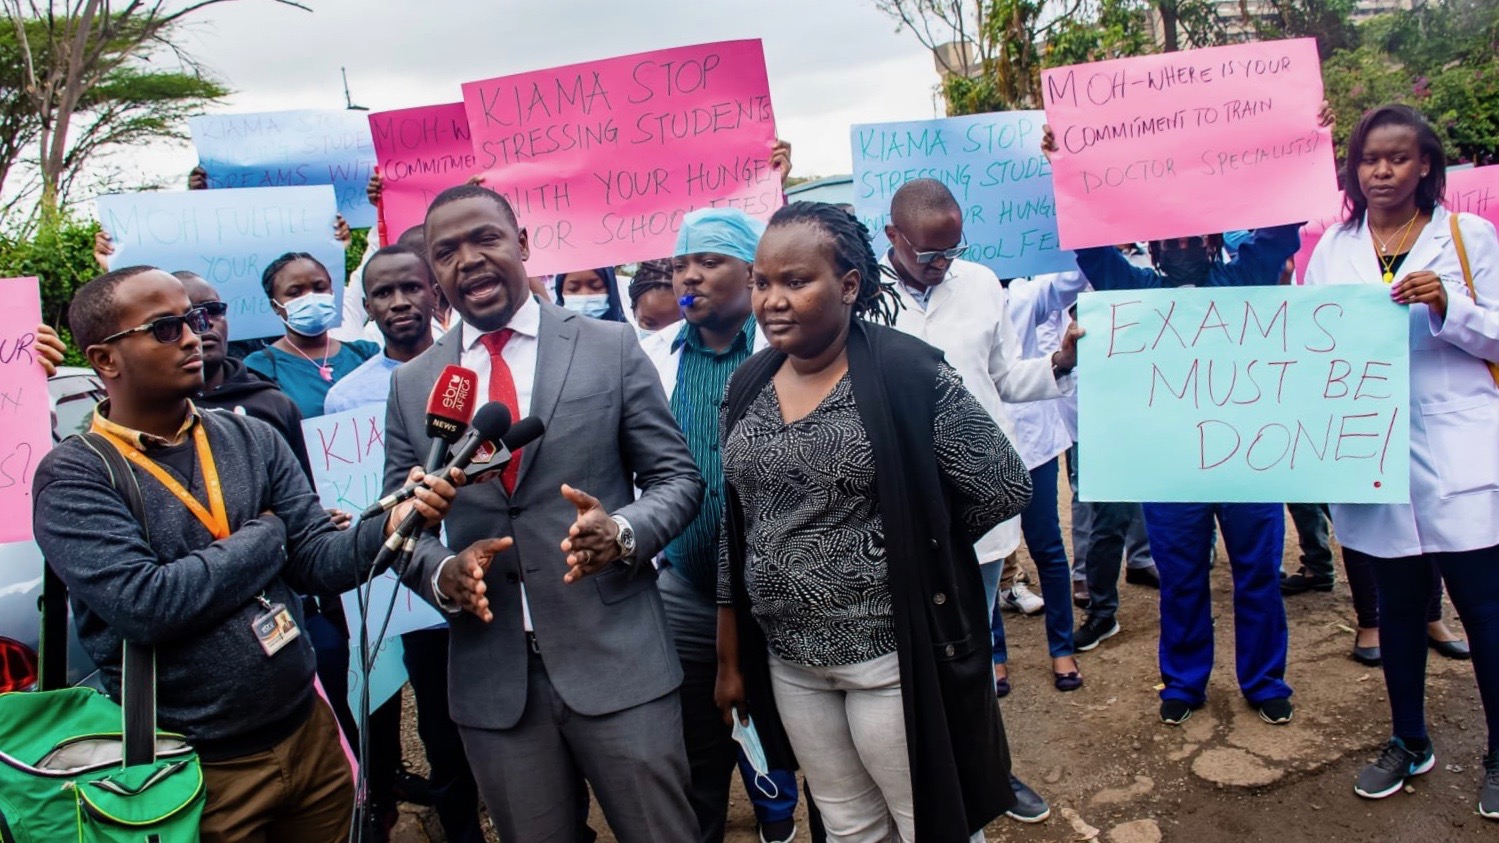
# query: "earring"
[[1423, 174]]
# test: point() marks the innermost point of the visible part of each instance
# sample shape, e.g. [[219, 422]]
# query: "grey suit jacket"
[[604, 639]]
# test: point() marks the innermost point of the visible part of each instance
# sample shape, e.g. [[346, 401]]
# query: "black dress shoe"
[[1148, 577], [1301, 582], [1457, 649]]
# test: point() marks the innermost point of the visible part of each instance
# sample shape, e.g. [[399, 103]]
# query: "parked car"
[[74, 393]]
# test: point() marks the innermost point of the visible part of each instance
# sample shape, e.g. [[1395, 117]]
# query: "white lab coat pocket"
[[1463, 446]]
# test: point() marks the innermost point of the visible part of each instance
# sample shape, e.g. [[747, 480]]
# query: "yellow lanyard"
[[216, 521]]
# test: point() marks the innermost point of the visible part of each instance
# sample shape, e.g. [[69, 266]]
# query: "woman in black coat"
[[852, 627]]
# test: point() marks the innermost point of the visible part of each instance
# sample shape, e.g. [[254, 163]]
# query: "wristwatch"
[[626, 537]]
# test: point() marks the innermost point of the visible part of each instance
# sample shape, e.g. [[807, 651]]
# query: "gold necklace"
[[1388, 263]]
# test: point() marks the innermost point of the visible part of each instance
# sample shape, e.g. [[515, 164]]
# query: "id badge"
[[275, 628]]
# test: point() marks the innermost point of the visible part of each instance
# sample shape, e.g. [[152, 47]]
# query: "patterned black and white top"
[[815, 567]]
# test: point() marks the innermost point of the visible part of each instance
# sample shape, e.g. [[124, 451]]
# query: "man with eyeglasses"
[[234, 534], [960, 307], [228, 385]]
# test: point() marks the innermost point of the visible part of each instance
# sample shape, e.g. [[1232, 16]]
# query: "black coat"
[[247, 394], [960, 760]]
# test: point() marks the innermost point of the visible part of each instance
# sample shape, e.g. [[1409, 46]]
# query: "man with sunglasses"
[[228, 385], [959, 307], [234, 533]]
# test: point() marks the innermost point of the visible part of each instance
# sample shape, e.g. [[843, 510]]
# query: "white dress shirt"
[[520, 355], [966, 317]]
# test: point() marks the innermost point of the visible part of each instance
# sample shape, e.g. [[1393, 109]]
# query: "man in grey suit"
[[562, 666]]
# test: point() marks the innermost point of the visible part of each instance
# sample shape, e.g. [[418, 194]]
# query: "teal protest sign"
[[291, 149], [227, 237], [347, 451], [1244, 394], [993, 165]]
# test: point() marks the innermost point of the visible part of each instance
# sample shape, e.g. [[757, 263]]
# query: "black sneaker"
[[1488, 795], [1396, 764], [1276, 712], [1176, 712], [778, 831], [1303, 581], [1029, 806], [1094, 631]]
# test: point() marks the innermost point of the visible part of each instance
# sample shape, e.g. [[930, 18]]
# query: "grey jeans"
[[848, 729]]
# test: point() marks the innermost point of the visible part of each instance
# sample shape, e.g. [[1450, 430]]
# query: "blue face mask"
[[311, 315], [593, 304], [749, 741], [643, 332]]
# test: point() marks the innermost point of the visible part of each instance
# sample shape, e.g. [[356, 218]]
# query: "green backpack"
[[76, 767]]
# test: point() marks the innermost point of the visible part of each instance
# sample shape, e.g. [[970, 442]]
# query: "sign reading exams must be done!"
[[1189, 143], [1249, 394]]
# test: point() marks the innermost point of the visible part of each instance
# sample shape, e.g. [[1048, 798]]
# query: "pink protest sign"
[[1474, 190], [421, 152], [1471, 190], [1191, 142], [25, 409], [603, 159]]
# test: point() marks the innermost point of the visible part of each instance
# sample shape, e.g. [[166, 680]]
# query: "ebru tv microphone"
[[450, 408], [491, 423]]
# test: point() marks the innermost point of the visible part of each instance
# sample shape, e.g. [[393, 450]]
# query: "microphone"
[[491, 423], [521, 434], [450, 407]]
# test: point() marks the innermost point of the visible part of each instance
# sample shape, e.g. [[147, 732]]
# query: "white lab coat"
[[1038, 313], [1454, 409], [967, 318]]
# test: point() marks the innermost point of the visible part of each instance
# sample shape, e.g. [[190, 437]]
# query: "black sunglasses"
[[168, 329], [214, 309]]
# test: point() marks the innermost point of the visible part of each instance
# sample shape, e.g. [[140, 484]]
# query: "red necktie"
[[502, 389]]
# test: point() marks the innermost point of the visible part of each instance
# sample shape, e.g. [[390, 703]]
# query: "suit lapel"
[[554, 356]]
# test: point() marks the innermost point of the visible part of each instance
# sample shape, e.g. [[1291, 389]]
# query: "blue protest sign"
[[290, 149], [993, 165], [1246, 394], [227, 237]]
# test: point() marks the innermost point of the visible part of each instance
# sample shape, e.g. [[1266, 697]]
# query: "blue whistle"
[[687, 300]]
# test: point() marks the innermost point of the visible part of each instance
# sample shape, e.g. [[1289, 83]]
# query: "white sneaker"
[[1021, 599]]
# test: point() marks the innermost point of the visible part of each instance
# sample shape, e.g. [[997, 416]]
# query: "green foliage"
[[357, 242], [1122, 28], [62, 259]]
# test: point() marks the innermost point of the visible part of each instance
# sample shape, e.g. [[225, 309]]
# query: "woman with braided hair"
[[853, 635]]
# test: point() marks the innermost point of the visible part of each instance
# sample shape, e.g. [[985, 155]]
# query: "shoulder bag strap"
[[1462, 258], [138, 677]]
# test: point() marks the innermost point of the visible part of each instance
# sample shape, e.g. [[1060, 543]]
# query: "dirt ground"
[[1114, 773]]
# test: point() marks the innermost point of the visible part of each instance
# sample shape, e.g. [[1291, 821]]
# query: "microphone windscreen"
[[492, 421], [451, 405], [523, 433]]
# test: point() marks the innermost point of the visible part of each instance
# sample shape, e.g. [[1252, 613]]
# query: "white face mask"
[[749, 740], [592, 304], [643, 332]]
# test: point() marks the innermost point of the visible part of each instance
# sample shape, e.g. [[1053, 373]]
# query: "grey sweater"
[[192, 597]]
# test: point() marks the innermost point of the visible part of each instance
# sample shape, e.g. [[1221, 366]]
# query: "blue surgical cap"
[[724, 231]]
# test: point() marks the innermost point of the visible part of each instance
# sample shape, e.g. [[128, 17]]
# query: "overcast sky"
[[832, 63]]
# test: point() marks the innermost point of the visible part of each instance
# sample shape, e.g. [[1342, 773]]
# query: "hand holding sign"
[[591, 541]]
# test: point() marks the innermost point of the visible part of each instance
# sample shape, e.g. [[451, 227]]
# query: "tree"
[[1011, 41], [76, 86]]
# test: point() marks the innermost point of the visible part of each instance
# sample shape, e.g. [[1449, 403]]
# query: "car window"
[[75, 396]]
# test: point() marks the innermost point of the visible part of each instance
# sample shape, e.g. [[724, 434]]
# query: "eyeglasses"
[[925, 258], [168, 329], [214, 309]]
